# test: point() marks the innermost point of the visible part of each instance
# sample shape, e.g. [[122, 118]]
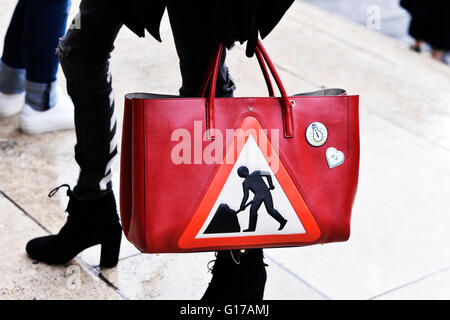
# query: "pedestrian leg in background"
[[29, 66], [429, 24]]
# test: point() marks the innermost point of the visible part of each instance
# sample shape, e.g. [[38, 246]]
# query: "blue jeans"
[[29, 60]]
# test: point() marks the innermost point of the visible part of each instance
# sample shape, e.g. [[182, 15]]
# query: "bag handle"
[[262, 65], [265, 72], [211, 77]]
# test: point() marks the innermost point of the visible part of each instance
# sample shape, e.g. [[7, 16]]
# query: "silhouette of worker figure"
[[254, 182]]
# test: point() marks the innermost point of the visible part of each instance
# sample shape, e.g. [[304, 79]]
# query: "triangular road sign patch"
[[251, 201]]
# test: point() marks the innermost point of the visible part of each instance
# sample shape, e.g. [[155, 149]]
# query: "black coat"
[[430, 21], [139, 15]]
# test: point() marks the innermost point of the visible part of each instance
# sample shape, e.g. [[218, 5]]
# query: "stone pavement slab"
[[399, 247], [21, 278], [433, 286]]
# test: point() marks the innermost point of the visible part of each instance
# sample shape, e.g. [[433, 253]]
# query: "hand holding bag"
[[203, 174]]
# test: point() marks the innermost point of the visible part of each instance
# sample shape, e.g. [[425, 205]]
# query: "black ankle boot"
[[237, 276], [90, 222]]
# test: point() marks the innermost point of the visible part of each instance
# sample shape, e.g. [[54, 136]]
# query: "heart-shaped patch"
[[334, 157]]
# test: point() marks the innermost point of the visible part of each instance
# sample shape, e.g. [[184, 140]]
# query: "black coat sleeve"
[[269, 14], [147, 14], [143, 14]]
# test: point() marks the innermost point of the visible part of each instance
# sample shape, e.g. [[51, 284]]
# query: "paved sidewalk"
[[399, 247], [393, 19], [385, 16]]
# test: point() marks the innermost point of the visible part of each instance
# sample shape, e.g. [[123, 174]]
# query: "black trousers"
[[84, 54]]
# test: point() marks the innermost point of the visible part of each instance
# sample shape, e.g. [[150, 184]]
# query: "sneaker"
[[11, 104], [60, 117], [237, 276]]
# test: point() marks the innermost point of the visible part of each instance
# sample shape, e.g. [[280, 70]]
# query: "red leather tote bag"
[[203, 174]]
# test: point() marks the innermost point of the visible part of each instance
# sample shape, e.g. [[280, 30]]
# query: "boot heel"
[[109, 256]]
